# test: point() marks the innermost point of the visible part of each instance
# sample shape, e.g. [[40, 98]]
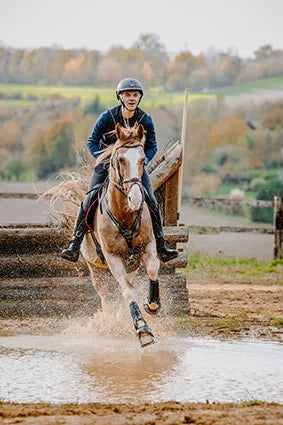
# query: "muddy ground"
[[232, 301], [172, 413]]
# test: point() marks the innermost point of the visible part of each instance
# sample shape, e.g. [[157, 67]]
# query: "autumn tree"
[[181, 68], [154, 57], [50, 147], [227, 131], [11, 136], [230, 67], [273, 118], [111, 67]]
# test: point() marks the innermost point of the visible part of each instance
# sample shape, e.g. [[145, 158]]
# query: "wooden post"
[[183, 139], [171, 200], [278, 228]]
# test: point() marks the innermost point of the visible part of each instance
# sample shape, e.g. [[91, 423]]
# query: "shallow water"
[[88, 368]]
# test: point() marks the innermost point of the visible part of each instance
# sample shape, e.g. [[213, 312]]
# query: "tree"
[[273, 118], [154, 54], [181, 68], [267, 191], [50, 147], [230, 68], [266, 52], [11, 135], [227, 131]]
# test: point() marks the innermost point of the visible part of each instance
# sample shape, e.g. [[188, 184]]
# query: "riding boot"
[[72, 252], [165, 254]]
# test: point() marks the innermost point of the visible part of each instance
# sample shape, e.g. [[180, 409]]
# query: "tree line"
[[147, 59]]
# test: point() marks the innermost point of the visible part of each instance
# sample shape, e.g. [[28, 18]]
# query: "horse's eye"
[[121, 160]]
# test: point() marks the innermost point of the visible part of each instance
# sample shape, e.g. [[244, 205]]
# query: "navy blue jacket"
[[99, 138]]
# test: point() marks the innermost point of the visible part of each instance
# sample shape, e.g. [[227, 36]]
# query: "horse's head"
[[127, 160]]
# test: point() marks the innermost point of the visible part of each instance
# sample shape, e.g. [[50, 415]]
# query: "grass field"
[[14, 104], [153, 98], [267, 83]]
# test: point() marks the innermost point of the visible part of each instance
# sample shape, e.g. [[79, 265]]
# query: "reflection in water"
[[68, 368], [131, 375]]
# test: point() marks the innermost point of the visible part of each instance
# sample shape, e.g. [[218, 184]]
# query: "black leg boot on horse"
[[144, 332], [72, 252], [165, 254], [153, 304]]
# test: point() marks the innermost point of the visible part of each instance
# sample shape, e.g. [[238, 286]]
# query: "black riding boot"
[[165, 254], [72, 252]]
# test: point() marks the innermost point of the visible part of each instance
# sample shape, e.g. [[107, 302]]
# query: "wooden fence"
[[231, 205]]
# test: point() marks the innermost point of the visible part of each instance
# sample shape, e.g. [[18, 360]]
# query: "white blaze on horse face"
[[133, 157]]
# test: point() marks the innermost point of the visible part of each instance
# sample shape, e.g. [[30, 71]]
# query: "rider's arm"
[[99, 129], [150, 147]]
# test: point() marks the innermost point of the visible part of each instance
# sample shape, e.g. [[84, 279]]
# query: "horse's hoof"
[[145, 336], [146, 339], [152, 308]]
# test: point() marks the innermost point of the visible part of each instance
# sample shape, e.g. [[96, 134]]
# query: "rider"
[[129, 92]]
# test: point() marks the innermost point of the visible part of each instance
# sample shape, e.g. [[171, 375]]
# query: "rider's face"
[[130, 99]]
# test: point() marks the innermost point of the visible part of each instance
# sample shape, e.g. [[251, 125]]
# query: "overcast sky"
[[194, 24]]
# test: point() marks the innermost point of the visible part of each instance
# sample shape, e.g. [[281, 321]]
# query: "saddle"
[[95, 198]]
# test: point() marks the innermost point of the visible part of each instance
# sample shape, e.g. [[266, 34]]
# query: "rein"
[[128, 234]]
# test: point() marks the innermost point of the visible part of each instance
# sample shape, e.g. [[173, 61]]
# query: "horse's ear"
[[118, 131], [140, 132]]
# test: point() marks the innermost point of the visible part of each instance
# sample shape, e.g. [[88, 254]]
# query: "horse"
[[123, 230]]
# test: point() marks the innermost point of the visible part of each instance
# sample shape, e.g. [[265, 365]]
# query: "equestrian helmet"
[[129, 84]]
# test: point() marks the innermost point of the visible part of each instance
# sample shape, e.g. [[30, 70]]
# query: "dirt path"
[[170, 413]]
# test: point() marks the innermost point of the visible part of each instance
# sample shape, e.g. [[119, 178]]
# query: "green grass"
[[227, 323], [250, 265], [278, 322], [7, 104], [266, 83], [251, 402], [152, 100]]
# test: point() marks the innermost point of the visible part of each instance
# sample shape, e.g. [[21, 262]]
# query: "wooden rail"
[[205, 230], [277, 229], [199, 201]]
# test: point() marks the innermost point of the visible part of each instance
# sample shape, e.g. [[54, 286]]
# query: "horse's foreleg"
[[116, 267], [153, 304]]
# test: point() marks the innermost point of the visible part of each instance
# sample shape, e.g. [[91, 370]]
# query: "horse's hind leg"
[[99, 283], [144, 333], [152, 304]]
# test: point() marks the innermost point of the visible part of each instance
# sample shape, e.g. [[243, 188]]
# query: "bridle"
[[134, 231], [135, 180]]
